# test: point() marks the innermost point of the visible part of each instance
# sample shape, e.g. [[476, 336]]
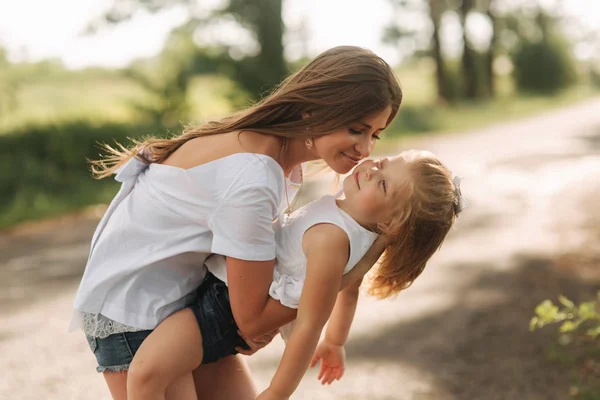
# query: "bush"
[[411, 119], [579, 329], [45, 168], [584, 318], [544, 67]]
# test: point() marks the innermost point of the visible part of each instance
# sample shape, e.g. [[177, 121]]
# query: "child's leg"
[[172, 350]]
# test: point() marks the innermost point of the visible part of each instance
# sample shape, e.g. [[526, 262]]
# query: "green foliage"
[[8, 85], [579, 329], [46, 172], [255, 70], [416, 119], [595, 76], [544, 67], [541, 57], [583, 318]]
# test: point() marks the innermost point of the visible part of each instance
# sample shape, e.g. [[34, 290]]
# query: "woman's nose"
[[364, 146]]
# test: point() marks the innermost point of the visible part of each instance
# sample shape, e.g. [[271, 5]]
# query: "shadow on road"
[[477, 350]]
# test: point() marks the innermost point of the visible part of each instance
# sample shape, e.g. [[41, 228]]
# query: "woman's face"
[[343, 149]]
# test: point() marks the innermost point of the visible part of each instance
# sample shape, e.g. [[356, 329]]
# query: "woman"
[[217, 189]]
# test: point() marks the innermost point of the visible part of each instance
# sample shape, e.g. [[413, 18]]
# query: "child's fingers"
[[332, 376], [327, 376], [314, 361], [322, 371]]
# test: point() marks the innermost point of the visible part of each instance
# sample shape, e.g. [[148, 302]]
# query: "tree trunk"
[[270, 29], [469, 67], [441, 79], [491, 54]]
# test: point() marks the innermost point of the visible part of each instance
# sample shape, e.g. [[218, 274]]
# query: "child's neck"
[[342, 205]]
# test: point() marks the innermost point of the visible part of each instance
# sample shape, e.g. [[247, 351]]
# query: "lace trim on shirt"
[[99, 326]]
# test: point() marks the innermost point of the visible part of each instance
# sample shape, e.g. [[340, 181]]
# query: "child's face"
[[373, 189]]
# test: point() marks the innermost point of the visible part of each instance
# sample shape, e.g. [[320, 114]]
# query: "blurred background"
[[505, 91]]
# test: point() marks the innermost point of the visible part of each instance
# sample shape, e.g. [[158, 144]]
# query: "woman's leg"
[[171, 351], [117, 384], [182, 389], [227, 379]]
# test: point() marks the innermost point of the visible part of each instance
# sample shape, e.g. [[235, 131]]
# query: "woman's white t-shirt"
[[148, 251]]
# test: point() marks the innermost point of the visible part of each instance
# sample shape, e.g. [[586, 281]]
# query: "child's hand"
[[333, 361], [268, 394]]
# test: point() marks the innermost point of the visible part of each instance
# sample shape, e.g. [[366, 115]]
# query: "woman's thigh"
[[117, 384], [227, 379]]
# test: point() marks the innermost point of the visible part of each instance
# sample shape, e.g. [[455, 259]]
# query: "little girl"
[[410, 198]]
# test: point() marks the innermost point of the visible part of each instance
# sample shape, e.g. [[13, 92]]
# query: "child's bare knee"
[[144, 375]]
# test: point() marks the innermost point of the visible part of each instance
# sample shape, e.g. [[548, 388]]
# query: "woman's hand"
[[333, 361], [269, 394], [256, 343]]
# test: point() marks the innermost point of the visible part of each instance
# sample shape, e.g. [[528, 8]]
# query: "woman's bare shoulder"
[[205, 149]]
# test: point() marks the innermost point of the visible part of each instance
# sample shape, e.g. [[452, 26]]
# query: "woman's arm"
[[254, 311], [327, 250]]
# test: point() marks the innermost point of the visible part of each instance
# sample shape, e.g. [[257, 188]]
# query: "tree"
[[436, 10], [8, 85], [491, 13], [540, 54], [397, 34], [468, 58], [262, 20]]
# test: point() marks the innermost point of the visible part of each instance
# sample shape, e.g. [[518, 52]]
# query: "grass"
[[103, 99]]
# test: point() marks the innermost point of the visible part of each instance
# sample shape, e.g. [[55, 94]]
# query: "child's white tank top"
[[290, 266]]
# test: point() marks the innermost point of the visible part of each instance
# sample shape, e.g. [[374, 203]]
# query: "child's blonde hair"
[[428, 210]]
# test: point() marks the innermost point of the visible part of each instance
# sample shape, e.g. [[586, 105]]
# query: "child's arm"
[[366, 262], [330, 352], [327, 249], [343, 315]]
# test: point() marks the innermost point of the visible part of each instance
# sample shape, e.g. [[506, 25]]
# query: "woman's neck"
[[293, 154]]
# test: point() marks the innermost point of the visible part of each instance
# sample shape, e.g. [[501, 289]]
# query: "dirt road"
[[460, 332]]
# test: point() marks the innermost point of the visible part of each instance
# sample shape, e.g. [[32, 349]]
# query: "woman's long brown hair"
[[339, 86]]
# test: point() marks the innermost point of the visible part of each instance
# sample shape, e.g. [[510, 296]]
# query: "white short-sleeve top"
[[147, 254]]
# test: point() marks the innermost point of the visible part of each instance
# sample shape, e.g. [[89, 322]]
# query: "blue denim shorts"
[[213, 312], [114, 353], [215, 320]]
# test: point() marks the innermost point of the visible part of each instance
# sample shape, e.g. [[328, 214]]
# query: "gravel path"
[[460, 332]]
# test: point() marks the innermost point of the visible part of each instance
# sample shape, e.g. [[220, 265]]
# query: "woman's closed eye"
[[361, 131]]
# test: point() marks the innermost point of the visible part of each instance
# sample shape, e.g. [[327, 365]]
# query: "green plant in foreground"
[[582, 318], [580, 327]]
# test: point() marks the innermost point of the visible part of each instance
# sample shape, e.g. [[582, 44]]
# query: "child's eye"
[[384, 186]]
